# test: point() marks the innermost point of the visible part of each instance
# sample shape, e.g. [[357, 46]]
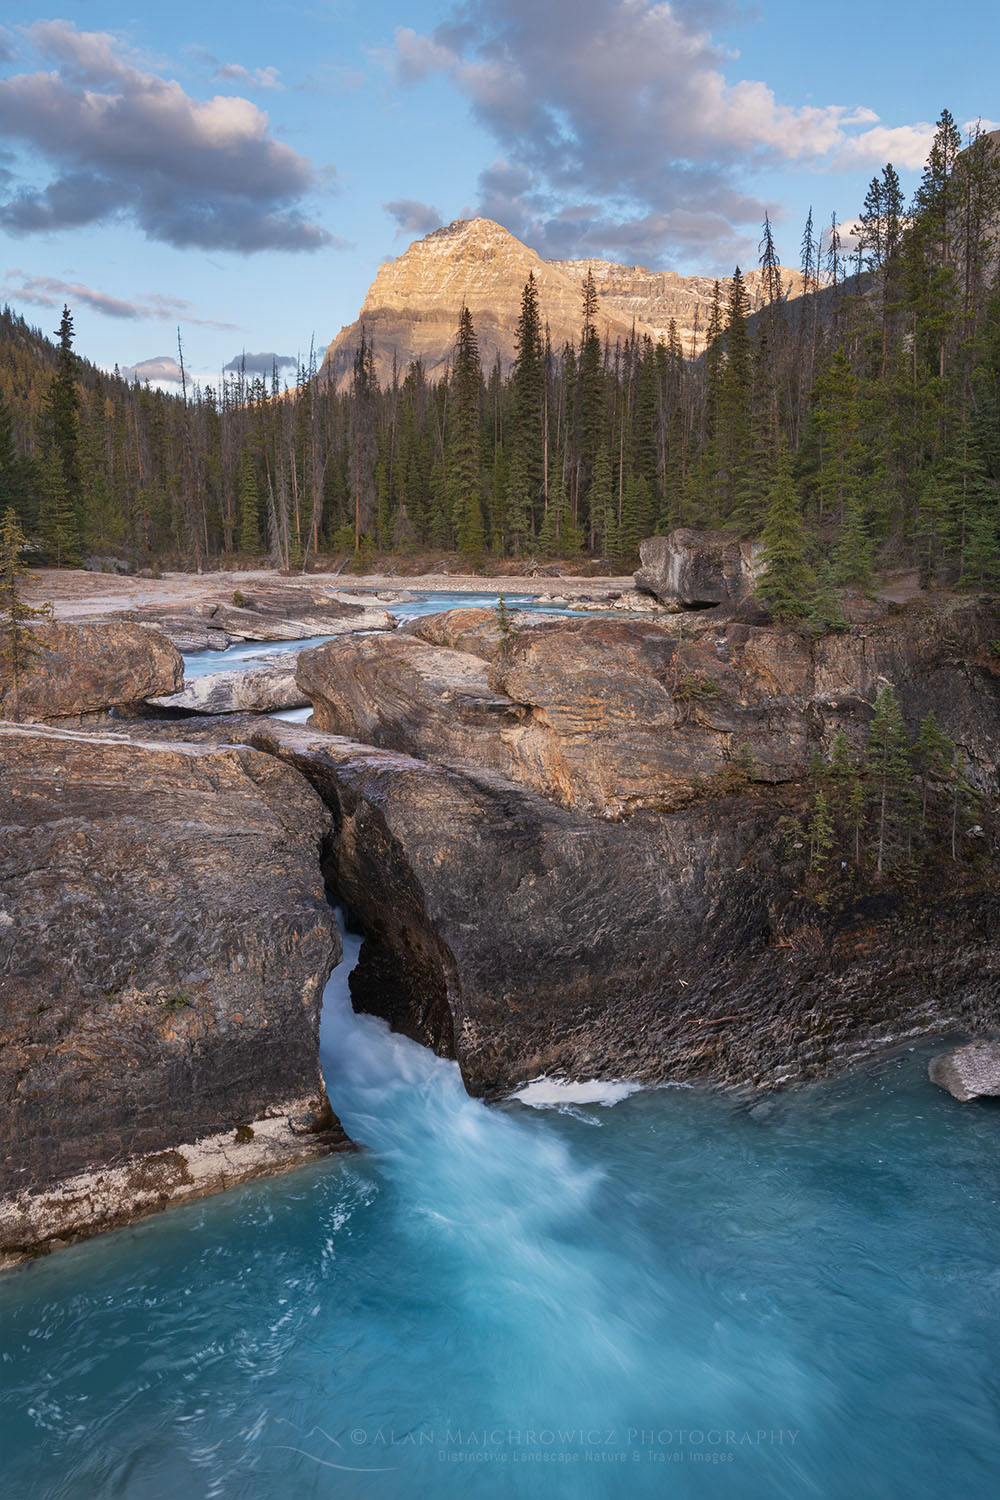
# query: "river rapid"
[[585, 1292], [599, 1294]]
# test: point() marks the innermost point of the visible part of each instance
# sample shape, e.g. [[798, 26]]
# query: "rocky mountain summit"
[[411, 310]]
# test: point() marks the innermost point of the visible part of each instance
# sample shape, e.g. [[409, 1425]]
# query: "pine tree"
[[733, 435], [590, 389], [837, 416], [852, 554], [825, 613], [57, 523], [62, 417], [464, 445], [527, 474], [889, 775], [932, 754], [841, 763], [789, 582], [248, 502], [19, 645], [819, 832], [13, 478], [981, 560]]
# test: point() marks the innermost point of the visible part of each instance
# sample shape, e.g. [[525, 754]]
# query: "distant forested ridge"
[[858, 425]]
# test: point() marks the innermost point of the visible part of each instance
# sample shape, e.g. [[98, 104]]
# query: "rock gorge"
[[564, 840], [411, 309]]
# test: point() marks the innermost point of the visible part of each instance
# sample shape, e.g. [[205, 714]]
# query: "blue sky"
[[244, 174]]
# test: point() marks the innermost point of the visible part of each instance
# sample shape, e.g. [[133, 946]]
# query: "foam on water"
[[551, 1093], [792, 1297], [292, 715]]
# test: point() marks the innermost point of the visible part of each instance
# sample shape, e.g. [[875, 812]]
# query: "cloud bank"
[[162, 368], [49, 291], [413, 217], [121, 142], [259, 364], [617, 129]]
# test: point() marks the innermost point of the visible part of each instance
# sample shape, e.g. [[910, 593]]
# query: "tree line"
[[854, 426]]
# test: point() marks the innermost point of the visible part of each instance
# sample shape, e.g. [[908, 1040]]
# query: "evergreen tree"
[[788, 583], [733, 436], [463, 448], [63, 416], [602, 507], [932, 754], [852, 554], [841, 762], [13, 478], [526, 477], [57, 522], [825, 612], [19, 645], [590, 389], [889, 775], [837, 416], [248, 503], [819, 832]]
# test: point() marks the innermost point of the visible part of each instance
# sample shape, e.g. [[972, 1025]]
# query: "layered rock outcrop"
[[398, 692], [164, 942], [614, 716], [265, 614], [525, 939], [80, 671], [412, 308]]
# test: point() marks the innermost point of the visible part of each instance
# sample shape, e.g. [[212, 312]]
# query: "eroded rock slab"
[[265, 614], [476, 631], [164, 942], [971, 1072], [248, 690], [83, 670], [524, 938], [402, 694]]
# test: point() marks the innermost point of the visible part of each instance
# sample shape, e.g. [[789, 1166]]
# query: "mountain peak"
[[413, 305]]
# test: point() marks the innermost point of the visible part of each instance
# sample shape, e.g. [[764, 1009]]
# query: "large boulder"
[[970, 1072], [475, 630], [524, 938], [79, 671], [618, 715], [164, 943], [696, 569], [400, 693], [250, 690]]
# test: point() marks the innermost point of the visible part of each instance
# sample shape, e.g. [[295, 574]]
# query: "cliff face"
[[164, 942], [412, 307], [524, 938]]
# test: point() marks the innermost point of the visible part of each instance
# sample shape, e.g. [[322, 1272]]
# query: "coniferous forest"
[[854, 427]]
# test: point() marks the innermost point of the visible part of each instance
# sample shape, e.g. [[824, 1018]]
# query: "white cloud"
[[259, 78], [627, 103], [124, 142], [163, 369], [49, 291]]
